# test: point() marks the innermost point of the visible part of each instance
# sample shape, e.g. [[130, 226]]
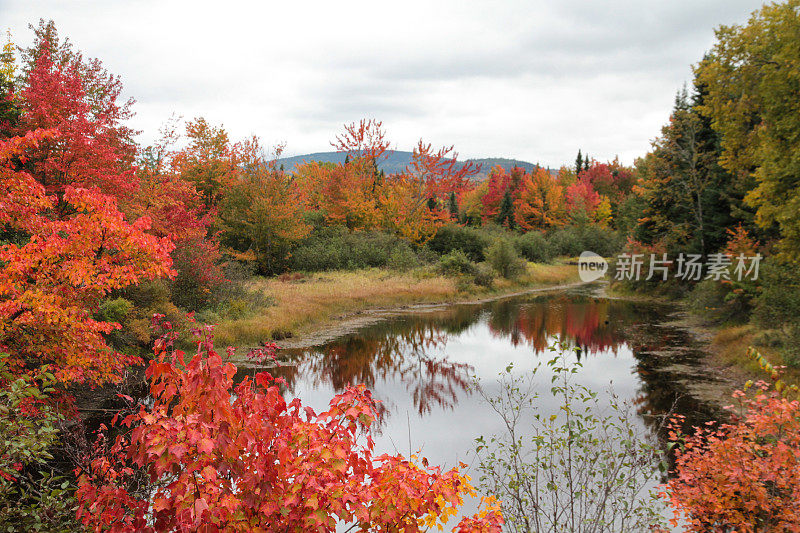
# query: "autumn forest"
[[139, 280]]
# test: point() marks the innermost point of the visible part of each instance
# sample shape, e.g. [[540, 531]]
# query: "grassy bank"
[[728, 342], [304, 302]]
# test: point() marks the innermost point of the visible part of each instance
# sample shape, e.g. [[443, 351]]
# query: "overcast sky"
[[533, 80]]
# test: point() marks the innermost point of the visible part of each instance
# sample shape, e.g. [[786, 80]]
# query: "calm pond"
[[421, 364]]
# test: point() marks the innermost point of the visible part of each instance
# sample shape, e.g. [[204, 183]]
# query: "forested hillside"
[[395, 161]]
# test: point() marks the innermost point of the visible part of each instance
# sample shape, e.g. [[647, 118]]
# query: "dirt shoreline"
[[726, 377], [347, 323]]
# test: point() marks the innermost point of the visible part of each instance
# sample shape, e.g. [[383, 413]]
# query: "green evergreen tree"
[[578, 163], [452, 206], [687, 197], [506, 214]]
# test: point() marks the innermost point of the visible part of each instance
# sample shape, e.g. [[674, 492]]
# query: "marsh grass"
[[302, 303], [730, 343]]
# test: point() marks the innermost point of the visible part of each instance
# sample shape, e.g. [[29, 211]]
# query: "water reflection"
[[411, 355], [421, 365], [417, 351]]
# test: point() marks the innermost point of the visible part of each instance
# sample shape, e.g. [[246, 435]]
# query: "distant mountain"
[[397, 160], [487, 163]]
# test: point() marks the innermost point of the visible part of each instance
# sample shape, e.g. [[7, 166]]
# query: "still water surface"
[[421, 365]]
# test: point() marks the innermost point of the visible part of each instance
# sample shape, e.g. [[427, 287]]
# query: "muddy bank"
[[349, 323], [722, 377]]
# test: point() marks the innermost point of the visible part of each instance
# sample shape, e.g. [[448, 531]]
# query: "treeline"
[[724, 176]]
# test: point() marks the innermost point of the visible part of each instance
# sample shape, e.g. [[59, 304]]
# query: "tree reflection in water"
[[412, 349]]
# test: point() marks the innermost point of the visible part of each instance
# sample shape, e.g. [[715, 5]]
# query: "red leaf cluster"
[[238, 457]]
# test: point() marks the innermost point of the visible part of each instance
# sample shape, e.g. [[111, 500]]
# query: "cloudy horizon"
[[535, 81]]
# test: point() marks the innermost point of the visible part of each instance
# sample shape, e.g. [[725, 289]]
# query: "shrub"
[[777, 305], [484, 276], [426, 256], [402, 258], [336, 248], [603, 241], [190, 440], [318, 256], [768, 338], [504, 259], [572, 240], [370, 249], [115, 310], [455, 263], [470, 241], [565, 241], [713, 300], [199, 274], [533, 246], [744, 475], [32, 496], [584, 468]]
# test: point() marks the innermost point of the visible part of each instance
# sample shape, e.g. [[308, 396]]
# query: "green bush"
[[778, 301], [603, 241], [533, 246], [336, 248], [370, 249], [484, 276], [402, 258], [115, 310], [768, 339], [455, 263], [777, 305], [426, 256], [318, 256], [572, 240], [147, 294], [32, 496], [504, 259], [470, 241], [565, 241], [568, 460], [40, 501]]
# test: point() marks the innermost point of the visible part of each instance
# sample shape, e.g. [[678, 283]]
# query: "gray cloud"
[[534, 80]]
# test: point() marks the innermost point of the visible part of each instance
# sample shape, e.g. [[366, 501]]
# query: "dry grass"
[[552, 274], [305, 303], [731, 343]]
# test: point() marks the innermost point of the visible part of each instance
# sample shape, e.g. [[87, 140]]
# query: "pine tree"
[[452, 206], [578, 163], [586, 162], [506, 214]]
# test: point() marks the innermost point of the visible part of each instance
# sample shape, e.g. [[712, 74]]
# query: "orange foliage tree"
[[413, 203], [225, 457], [262, 214], [50, 285], [539, 202], [744, 475], [209, 161], [177, 211]]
